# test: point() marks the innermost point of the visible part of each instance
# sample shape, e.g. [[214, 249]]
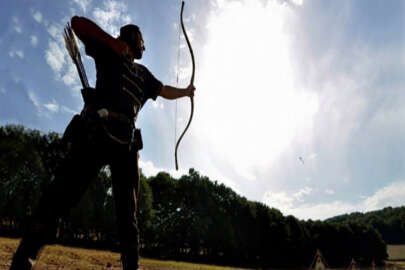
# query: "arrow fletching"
[[74, 52]]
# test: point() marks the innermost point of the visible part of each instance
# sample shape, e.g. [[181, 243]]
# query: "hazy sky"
[[298, 103]]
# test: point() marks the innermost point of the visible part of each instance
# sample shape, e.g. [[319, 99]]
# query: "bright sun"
[[250, 109]]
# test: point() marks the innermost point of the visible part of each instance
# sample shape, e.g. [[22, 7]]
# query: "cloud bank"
[[299, 204]]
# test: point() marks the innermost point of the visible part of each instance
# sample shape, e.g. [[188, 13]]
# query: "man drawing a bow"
[[104, 133]]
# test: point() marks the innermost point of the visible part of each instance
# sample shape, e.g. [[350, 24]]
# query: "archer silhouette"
[[103, 133]]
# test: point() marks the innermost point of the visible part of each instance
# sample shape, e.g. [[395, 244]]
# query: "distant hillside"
[[390, 222]]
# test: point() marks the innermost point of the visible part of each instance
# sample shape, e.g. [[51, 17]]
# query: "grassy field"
[[60, 257], [396, 255], [396, 252]]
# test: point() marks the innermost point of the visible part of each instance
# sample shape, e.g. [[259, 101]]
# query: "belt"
[[105, 114]]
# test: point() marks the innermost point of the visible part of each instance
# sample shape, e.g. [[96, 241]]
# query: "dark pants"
[[87, 155]]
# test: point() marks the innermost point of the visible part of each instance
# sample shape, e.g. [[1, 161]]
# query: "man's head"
[[131, 35]]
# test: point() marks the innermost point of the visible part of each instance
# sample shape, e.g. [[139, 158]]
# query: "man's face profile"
[[137, 44]]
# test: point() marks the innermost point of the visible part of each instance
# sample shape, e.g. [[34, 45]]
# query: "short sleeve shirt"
[[124, 86]]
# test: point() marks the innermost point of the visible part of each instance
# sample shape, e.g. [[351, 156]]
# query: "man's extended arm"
[[170, 92], [88, 31]]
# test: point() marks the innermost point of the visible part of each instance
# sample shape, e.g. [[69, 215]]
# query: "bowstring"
[[177, 85]]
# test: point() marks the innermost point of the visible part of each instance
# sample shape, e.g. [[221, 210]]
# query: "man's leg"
[[125, 181], [71, 181]]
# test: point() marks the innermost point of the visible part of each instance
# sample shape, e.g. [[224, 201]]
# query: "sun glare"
[[250, 107]]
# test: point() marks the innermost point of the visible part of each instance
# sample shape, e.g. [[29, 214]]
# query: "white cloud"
[[16, 25], [2, 90], [37, 15], [20, 54], [149, 169], [18, 29], [83, 4], [111, 16], [297, 2], [55, 30], [34, 100], [70, 77], [301, 193], [391, 195], [16, 53], [329, 191], [323, 210], [58, 59], [290, 204], [279, 200], [65, 109], [52, 107], [34, 40], [54, 56]]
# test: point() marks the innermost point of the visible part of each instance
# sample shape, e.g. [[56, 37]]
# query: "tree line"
[[390, 222], [191, 218]]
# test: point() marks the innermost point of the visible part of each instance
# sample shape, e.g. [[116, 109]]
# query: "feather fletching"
[[74, 52]]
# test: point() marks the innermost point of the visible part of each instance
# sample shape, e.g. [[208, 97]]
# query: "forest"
[[192, 218], [390, 222]]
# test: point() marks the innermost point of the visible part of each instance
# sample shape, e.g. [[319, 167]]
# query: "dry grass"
[[395, 265], [60, 257], [396, 252]]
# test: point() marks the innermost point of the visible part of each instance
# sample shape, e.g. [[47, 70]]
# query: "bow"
[[191, 82]]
